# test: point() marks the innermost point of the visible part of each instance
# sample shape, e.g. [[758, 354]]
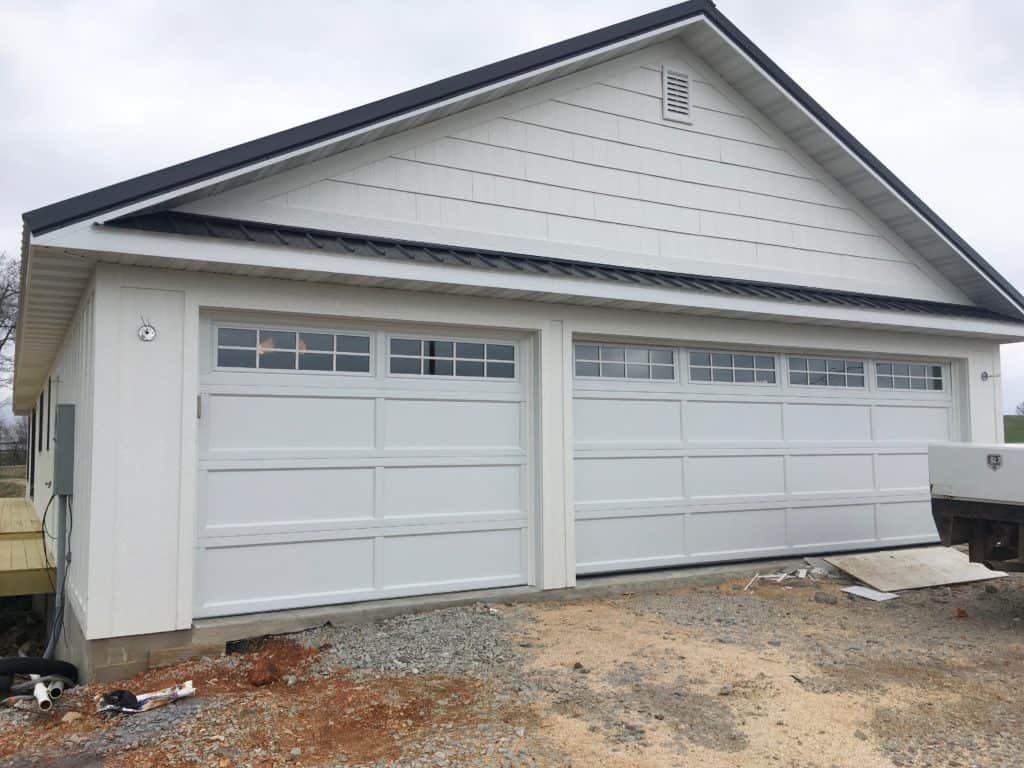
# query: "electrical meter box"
[[64, 451]]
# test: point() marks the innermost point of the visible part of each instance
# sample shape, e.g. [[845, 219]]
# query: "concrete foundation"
[[115, 658]]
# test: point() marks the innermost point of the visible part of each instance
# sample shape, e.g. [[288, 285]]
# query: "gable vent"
[[675, 95]]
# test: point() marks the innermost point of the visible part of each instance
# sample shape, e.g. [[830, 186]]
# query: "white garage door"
[[698, 455], [340, 464]]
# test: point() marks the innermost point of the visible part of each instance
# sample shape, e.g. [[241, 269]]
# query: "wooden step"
[[18, 520], [24, 569]]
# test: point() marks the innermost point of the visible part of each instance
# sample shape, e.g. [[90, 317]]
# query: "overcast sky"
[[95, 92]]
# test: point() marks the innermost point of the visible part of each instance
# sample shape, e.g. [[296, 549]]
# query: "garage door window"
[[594, 360], [287, 350], [825, 372], [909, 376], [732, 368], [445, 357]]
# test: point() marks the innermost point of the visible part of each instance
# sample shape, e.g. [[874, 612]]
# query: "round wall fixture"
[[147, 332]]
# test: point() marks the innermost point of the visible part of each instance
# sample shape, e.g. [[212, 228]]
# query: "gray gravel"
[[481, 642], [861, 646], [474, 641], [853, 646]]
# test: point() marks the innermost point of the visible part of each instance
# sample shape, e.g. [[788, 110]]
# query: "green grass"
[[12, 489], [12, 481], [1014, 428]]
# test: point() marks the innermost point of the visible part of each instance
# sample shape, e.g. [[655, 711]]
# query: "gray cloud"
[[121, 88]]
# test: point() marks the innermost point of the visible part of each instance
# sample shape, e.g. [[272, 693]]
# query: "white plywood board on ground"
[[915, 568], [870, 594]]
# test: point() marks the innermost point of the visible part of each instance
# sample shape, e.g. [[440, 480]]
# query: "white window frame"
[[673, 366], [944, 378], [287, 328], [864, 374], [455, 340], [732, 367]]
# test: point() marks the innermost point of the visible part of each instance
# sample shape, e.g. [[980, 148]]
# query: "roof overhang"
[[64, 228]]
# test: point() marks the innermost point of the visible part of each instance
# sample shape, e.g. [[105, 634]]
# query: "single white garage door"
[[343, 463], [699, 455]]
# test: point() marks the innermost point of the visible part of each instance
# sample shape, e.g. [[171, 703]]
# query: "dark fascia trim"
[[281, 235], [774, 71], [105, 199]]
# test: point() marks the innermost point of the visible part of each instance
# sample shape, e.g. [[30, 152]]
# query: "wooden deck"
[[23, 564]]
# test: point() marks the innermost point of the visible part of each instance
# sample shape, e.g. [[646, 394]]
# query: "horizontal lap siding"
[[687, 472], [597, 167]]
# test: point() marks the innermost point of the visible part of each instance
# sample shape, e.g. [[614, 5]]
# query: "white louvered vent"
[[675, 95]]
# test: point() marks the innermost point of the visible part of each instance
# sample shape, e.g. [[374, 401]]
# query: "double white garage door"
[[342, 464], [698, 455]]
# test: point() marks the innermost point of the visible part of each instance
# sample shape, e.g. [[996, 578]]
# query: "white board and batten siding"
[[684, 471], [330, 487], [590, 168], [70, 382]]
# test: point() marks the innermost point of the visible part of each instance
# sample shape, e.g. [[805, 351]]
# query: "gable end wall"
[[586, 167]]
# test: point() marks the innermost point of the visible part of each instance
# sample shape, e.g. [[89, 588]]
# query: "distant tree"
[[13, 440], [10, 289], [1020, 408]]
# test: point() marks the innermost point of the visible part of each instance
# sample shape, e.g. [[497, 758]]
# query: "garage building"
[[629, 301]]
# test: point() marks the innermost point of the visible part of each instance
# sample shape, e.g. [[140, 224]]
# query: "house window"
[[31, 456], [825, 372], [732, 368], [612, 362], [283, 350], [927, 376], [446, 357]]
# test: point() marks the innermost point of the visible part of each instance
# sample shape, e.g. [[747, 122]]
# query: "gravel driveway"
[[794, 675]]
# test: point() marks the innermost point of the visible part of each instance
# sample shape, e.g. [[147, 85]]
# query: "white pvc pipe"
[[42, 696]]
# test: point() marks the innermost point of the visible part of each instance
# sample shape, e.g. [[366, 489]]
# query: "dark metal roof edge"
[[776, 72], [166, 222], [62, 213]]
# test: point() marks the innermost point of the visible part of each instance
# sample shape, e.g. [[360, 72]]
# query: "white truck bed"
[[967, 471], [978, 500]]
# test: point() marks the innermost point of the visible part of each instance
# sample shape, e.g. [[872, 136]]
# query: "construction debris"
[[822, 567], [912, 568], [814, 574], [125, 701], [870, 594]]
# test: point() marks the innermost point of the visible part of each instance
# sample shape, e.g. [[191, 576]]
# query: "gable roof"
[[199, 225], [98, 201], [716, 39]]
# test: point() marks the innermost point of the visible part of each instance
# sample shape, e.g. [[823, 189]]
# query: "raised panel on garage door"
[[341, 464], [686, 455]]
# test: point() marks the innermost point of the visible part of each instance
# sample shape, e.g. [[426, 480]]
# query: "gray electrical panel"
[[64, 451]]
